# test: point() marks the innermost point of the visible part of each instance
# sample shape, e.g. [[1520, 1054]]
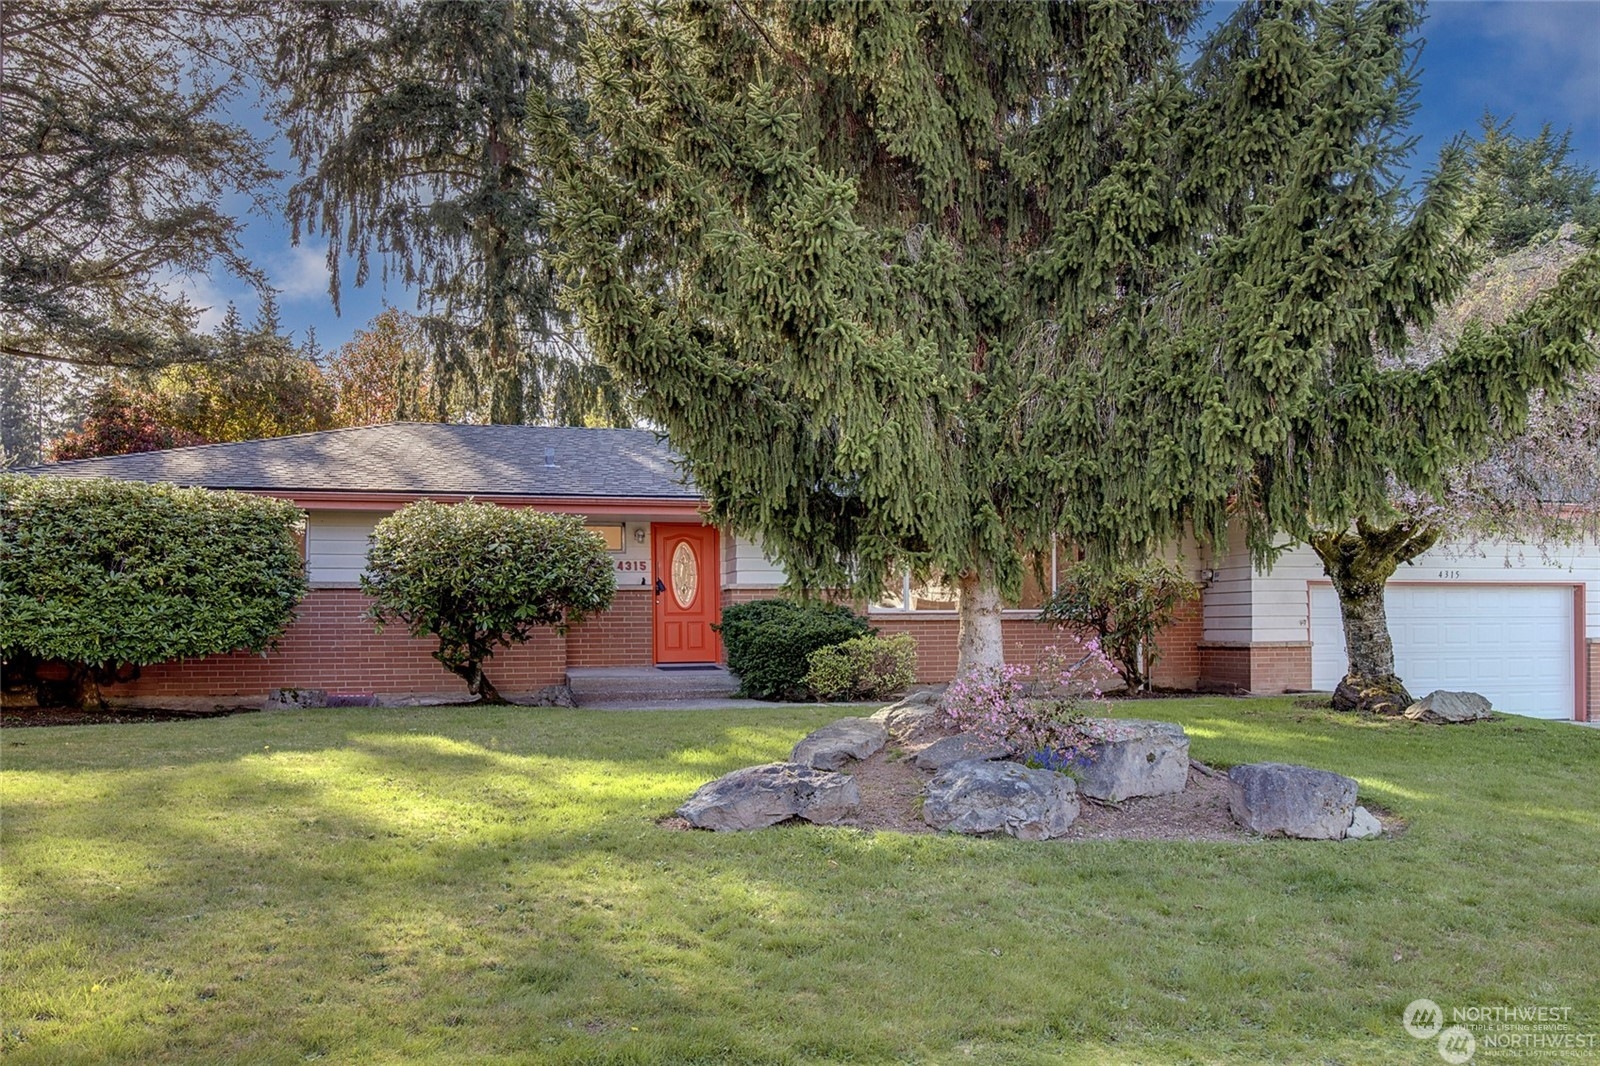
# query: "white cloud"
[[300, 273], [208, 298], [1545, 52]]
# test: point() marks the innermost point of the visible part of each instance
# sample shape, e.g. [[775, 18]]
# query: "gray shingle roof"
[[417, 457]]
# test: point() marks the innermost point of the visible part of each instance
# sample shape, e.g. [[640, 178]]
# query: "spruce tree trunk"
[[979, 643], [1360, 563]]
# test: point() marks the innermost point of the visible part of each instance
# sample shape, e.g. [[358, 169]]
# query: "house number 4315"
[[1447, 575]]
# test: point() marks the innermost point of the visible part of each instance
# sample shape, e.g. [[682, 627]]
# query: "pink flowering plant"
[[1035, 711]]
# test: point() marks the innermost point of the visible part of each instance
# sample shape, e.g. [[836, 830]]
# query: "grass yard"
[[489, 886]]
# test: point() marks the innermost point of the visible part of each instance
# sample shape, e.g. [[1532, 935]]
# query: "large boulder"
[[1277, 799], [759, 796], [1001, 797], [960, 748], [841, 742], [913, 718], [1133, 757], [1448, 708]]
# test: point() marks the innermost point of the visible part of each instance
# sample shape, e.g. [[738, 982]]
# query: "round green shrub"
[[479, 576], [768, 642], [863, 668], [104, 575]]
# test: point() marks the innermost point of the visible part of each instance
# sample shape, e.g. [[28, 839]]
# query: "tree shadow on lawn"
[[402, 893]]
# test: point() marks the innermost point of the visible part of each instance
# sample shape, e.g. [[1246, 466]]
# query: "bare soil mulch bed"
[[16, 718], [891, 790]]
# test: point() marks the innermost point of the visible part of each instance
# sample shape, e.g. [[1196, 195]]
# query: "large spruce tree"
[[408, 123], [117, 162], [924, 284]]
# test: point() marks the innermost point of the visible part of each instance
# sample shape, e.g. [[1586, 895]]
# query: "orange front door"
[[688, 594]]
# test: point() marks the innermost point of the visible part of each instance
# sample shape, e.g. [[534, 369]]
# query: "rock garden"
[[965, 765]]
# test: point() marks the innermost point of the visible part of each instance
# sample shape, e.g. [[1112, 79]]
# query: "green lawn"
[[489, 885]]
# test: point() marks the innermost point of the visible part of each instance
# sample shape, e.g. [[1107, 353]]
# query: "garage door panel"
[[1511, 643]]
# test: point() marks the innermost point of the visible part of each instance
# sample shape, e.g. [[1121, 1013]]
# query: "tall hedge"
[[478, 576], [105, 575]]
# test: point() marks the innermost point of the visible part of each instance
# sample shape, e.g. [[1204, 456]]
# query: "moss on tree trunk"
[[1360, 562]]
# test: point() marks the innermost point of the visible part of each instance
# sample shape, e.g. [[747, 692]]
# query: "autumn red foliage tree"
[[121, 421], [382, 374]]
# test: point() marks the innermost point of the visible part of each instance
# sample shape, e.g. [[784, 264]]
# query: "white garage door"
[[1513, 644]]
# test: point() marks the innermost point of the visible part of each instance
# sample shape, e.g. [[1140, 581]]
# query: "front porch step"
[[648, 684]]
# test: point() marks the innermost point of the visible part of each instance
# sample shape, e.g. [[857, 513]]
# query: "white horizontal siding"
[[336, 545], [1226, 604], [337, 541], [1279, 598], [749, 567]]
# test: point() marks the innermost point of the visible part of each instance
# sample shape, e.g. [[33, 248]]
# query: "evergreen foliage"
[[104, 575], [259, 385], [1535, 478], [1530, 185], [925, 284], [478, 576], [115, 164], [769, 642], [407, 121], [40, 401]]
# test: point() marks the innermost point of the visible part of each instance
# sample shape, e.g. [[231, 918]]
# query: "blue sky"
[[1535, 60]]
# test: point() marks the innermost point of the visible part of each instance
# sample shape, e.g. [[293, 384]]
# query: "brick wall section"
[[331, 645], [1280, 667], [1025, 640], [732, 596], [1593, 709], [1179, 664], [1258, 668], [621, 636], [1224, 667]]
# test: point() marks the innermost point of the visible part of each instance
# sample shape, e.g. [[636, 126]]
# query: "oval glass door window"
[[685, 574]]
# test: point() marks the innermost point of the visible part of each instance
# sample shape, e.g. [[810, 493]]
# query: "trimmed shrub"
[[107, 576], [863, 668], [768, 642], [478, 576], [1126, 606]]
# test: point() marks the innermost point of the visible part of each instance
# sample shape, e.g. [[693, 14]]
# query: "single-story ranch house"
[[1505, 622]]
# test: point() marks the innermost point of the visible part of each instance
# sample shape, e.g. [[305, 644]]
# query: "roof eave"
[[640, 506]]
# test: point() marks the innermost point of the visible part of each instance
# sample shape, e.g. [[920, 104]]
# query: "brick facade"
[[620, 637], [1262, 668], [332, 645], [1592, 704]]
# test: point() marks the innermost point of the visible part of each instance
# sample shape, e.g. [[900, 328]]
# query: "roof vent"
[[549, 457]]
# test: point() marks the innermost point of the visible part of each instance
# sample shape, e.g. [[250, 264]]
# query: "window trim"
[[907, 611], [602, 530]]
